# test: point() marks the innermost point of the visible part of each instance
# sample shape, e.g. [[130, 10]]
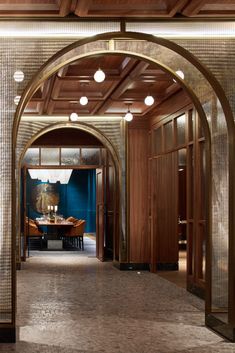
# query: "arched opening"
[[93, 165], [197, 74]]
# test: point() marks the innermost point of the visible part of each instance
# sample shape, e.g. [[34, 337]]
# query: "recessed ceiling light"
[[18, 76], [99, 76], [149, 100], [73, 117], [83, 100]]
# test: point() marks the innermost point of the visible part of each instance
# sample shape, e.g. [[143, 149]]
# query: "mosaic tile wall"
[[219, 56], [29, 54]]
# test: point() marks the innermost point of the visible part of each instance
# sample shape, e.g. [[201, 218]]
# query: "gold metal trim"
[[40, 77]]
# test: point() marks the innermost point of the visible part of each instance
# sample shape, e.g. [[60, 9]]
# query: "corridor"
[[69, 302]]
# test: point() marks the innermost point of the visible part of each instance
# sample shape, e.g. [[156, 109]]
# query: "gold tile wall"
[[29, 54]]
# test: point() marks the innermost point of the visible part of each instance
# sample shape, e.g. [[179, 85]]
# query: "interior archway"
[[67, 137], [148, 51]]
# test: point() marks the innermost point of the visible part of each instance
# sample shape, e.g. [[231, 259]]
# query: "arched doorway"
[[106, 166], [197, 81]]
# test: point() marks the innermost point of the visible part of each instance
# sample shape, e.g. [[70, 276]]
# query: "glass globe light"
[[83, 100], [180, 74], [149, 100], [73, 117], [99, 76], [128, 116], [17, 99], [18, 76]]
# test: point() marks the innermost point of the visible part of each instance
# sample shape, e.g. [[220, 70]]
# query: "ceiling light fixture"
[[73, 117], [83, 100], [99, 76], [51, 175], [149, 100], [18, 76], [180, 74], [17, 99], [128, 116]]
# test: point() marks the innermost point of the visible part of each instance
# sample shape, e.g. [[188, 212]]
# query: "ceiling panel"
[[133, 80], [117, 8]]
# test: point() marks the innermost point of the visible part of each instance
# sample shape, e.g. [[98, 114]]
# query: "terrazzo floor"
[[69, 302]]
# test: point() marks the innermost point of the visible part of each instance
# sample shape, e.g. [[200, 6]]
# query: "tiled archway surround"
[[29, 54]]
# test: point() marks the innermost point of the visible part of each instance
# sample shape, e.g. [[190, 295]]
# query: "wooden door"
[[165, 212], [100, 224], [110, 209]]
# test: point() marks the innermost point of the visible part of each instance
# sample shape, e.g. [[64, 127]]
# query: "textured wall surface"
[[29, 54]]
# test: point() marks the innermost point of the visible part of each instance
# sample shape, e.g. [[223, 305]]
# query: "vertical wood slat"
[[165, 211], [100, 214], [110, 197], [138, 188]]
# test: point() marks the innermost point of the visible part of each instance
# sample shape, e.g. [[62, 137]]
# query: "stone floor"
[[69, 302], [177, 277]]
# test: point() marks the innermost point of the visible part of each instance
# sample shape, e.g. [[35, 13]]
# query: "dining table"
[[47, 223], [54, 236]]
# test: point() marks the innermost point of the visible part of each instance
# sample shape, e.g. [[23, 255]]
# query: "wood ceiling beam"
[[82, 7], [170, 91], [177, 7], [193, 7], [65, 7], [136, 72], [122, 86], [49, 87]]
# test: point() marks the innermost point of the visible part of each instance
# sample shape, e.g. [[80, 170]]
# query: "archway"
[[198, 81], [109, 155]]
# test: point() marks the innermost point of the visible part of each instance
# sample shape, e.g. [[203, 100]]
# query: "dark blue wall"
[[77, 198]]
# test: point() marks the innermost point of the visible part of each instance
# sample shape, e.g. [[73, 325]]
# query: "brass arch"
[[40, 77], [89, 129], [79, 126]]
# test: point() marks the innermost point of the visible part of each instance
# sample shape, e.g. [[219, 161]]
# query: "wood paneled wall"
[[139, 237], [165, 208], [170, 106], [140, 173]]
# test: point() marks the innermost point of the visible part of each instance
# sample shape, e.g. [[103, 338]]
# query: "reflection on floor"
[[177, 277], [69, 302]]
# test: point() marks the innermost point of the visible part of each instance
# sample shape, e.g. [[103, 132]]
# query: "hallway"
[[69, 302]]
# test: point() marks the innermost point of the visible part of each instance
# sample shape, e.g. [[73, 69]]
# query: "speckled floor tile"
[[69, 302]]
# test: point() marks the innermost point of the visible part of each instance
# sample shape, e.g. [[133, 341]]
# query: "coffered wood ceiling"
[[128, 81], [117, 8]]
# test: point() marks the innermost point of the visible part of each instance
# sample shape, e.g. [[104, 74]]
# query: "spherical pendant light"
[[17, 99], [73, 117], [83, 100], [128, 116], [180, 74], [18, 76], [149, 100], [99, 76]]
